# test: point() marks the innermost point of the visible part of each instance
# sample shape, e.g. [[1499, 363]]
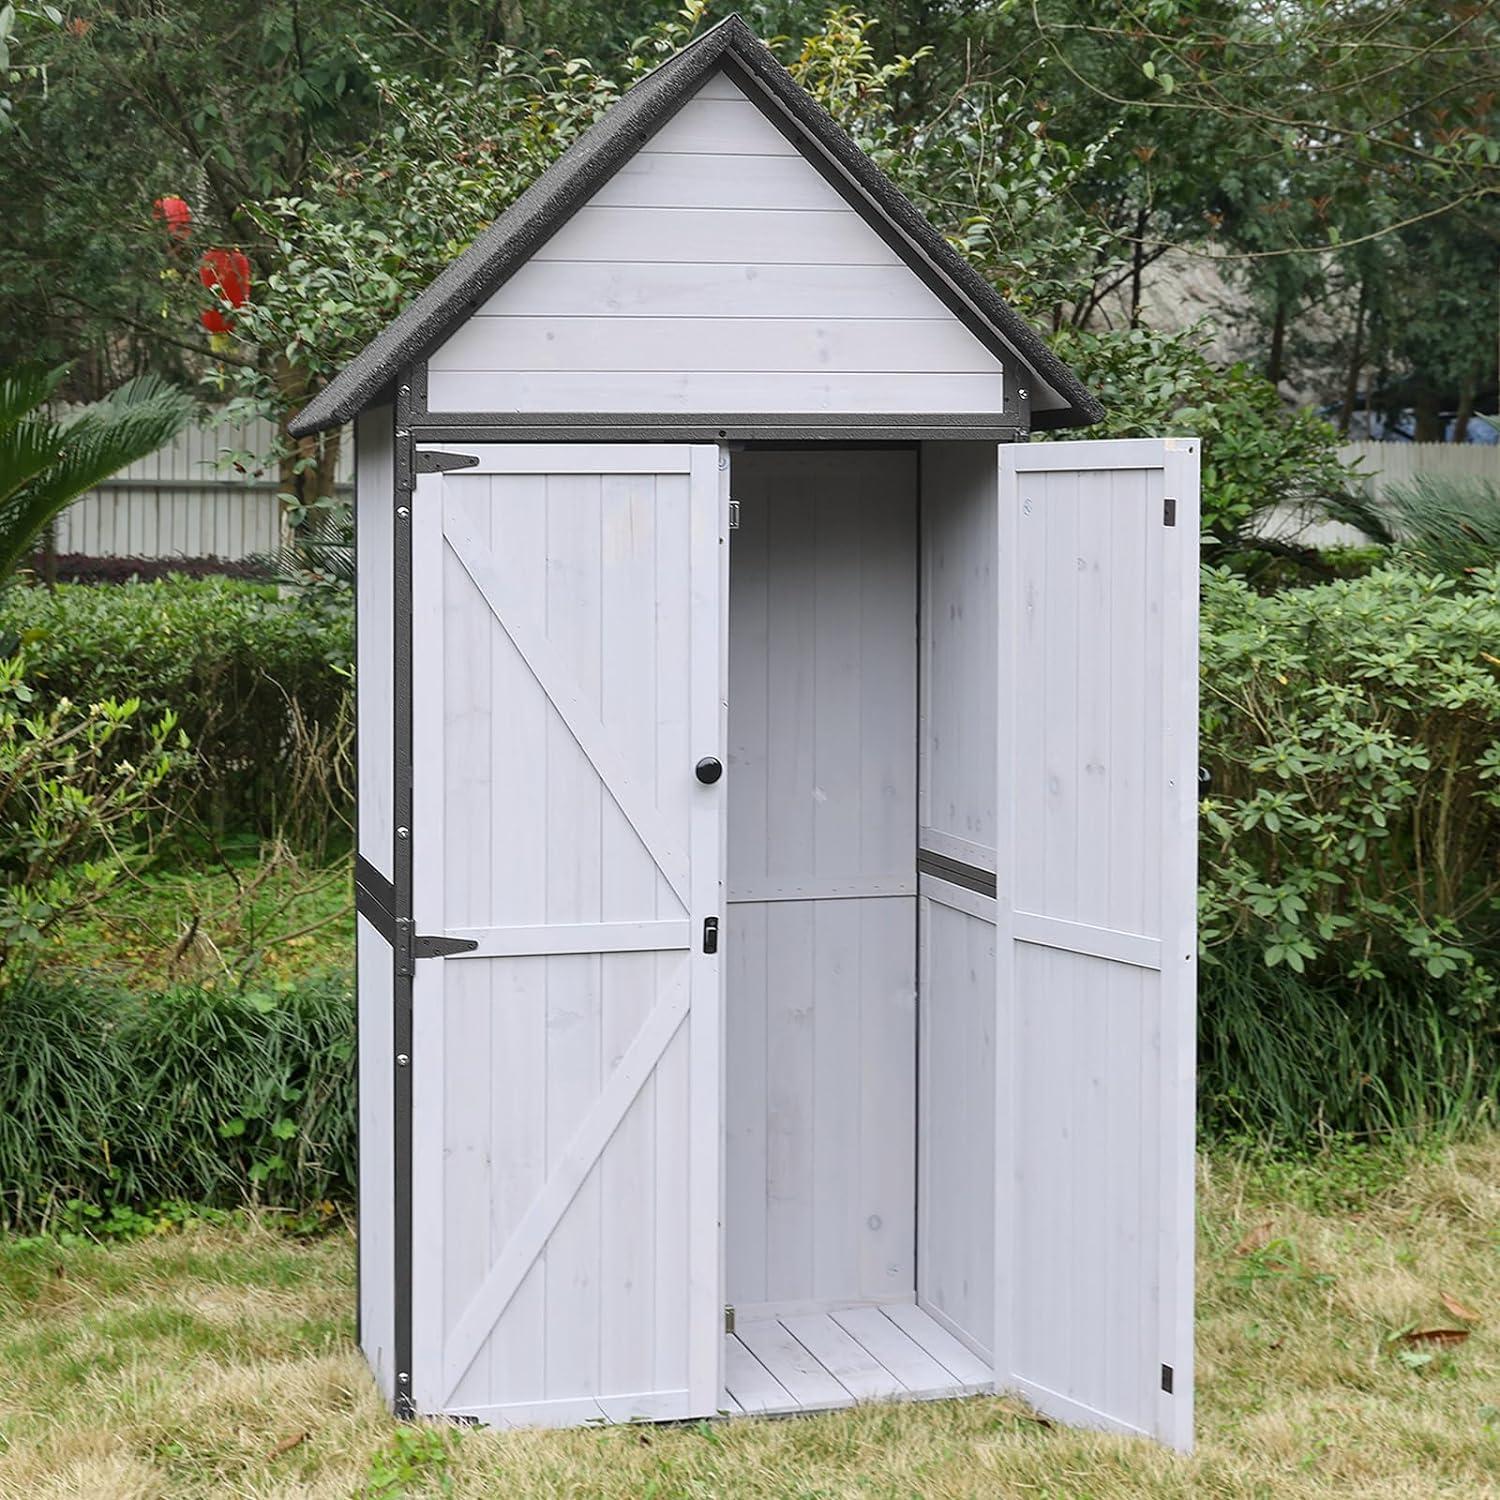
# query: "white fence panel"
[[1386, 464], [1382, 465], [179, 501]]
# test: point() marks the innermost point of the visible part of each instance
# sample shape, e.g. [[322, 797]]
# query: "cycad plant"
[[1444, 523], [45, 464]]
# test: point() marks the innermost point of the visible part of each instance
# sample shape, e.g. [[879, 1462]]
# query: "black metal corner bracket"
[[430, 462], [412, 945]]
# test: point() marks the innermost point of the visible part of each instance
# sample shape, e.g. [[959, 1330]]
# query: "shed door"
[[568, 638], [1096, 936]]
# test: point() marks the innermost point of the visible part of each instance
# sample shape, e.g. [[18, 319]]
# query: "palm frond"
[[320, 554], [26, 448], [23, 388], [126, 425], [1447, 524]]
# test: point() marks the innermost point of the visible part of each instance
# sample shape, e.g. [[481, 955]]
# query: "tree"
[[45, 465]]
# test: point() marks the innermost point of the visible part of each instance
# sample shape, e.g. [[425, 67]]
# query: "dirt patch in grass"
[[218, 1362]]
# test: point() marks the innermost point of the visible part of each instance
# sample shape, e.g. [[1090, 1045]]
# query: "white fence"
[[1386, 464], [180, 502]]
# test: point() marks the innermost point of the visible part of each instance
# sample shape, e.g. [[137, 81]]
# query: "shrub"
[[259, 684], [1257, 454], [71, 806], [1353, 734], [1350, 896], [201, 1095]]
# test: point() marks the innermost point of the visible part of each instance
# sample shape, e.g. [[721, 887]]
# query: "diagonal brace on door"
[[540, 1221], [633, 800]]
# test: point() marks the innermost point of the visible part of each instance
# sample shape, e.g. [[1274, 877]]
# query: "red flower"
[[215, 321], [226, 272], [175, 214]]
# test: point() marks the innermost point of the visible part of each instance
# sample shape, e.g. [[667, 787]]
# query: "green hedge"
[[1350, 854], [1353, 734], [207, 1096], [259, 683]]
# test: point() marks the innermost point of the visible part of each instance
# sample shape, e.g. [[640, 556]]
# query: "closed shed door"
[[568, 639], [1095, 932]]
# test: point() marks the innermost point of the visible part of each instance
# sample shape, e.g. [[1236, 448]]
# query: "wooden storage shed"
[[776, 809]]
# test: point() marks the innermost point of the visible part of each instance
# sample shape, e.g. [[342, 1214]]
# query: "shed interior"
[[829, 1223]]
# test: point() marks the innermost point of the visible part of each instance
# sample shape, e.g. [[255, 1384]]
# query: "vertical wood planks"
[[822, 1065], [596, 587], [1095, 1000]]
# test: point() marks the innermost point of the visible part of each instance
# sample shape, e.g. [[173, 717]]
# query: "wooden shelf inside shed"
[[819, 1361]]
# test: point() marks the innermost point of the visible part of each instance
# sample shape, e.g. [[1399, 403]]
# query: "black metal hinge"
[[1169, 511], [411, 945], [430, 462]]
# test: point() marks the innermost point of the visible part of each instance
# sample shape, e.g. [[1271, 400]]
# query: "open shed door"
[[1096, 944], [568, 670]]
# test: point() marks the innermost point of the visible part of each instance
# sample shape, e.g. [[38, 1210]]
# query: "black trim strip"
[[375, 912], [956, 872], [380, 889], [401, 1007]]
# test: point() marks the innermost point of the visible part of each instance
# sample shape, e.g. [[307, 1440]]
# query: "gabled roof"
[[465, 284]]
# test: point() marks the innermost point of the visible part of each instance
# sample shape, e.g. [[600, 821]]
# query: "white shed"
[[777, 799]]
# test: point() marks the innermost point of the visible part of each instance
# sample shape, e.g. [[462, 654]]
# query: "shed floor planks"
[[819, 1361]]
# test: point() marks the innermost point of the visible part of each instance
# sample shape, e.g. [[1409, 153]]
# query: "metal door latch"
[[710, 934]]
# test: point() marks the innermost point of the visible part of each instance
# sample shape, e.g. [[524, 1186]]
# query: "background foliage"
[[260, 686]]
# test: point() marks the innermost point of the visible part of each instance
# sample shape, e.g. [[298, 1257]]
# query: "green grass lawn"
[[217, 1361]]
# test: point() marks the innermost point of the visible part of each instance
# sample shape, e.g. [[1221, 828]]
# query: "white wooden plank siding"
[[377, 1266], [568, 644], [1095, 932], [956, 1129], [375, 582], [960, 644], [956, 814], [717, 271], [821, 1047]]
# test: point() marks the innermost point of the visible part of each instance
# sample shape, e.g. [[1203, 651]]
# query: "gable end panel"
[[717, 271]]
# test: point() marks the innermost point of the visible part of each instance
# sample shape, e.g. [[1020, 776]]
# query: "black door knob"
[[709, 769]]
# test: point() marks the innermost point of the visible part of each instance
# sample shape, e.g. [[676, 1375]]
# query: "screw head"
[[403, 833], [403, 511], [402, 1059]]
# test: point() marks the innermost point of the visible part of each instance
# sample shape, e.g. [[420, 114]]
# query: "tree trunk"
[[1276, 359], [1467, 394], [1356, 358], [330, 446], [1429, 415], [1137, 265]]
